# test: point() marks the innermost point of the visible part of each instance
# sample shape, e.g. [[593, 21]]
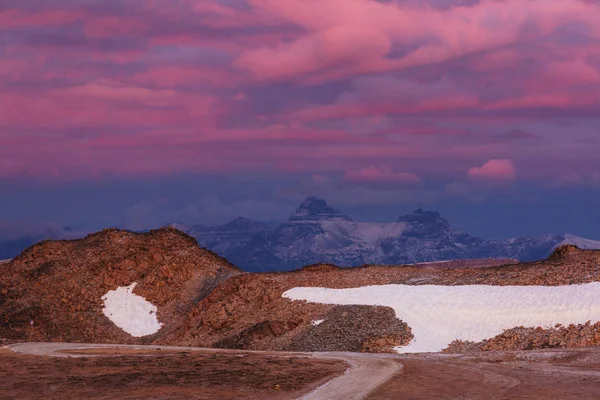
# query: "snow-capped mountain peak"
[[583, 244], [421, 216], [314, 208], [426, 224], [241, 223], [318, 232]]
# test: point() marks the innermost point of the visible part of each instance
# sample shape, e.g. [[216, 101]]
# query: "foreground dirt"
[[365, 372], [171, 373], [535, 375], [134, 374]]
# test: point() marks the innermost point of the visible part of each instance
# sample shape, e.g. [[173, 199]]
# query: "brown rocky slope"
[[53, 290], [204, 301], [521, 338]]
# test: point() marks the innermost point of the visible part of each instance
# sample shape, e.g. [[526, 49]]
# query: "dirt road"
[[366, 372], [537, 374]]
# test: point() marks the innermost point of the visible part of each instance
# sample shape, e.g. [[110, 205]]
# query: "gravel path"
[[366, 373]]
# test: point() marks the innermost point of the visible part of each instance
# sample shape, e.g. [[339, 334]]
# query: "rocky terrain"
[[572, 336], [319, 233], [53, 291]]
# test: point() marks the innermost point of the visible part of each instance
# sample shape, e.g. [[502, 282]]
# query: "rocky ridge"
[[521, 338], [204, 301], [250, 299], [53, 290]]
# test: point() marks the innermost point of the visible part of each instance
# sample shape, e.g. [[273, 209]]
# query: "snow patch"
[[432, 262], [439, 315], [583, 244], [364, 232], [317, 322], [130, 312]]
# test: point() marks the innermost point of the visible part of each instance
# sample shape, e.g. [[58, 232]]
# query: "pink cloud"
[[205, 86], [175, 76], [496, 60], [18, 18], [114, 26], [571, 72], [550, 100], [385, 95], [366, 109], [13, 68], [116, 92], [103, 103], [494, 171], [118, 57], [364, 31], [380, 175]]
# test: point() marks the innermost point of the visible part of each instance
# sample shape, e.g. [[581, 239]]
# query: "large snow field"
[[439, 315], [340, 230], [130, 312]]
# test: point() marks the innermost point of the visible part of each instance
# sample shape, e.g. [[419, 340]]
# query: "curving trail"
[[366, 372], [572, 374]]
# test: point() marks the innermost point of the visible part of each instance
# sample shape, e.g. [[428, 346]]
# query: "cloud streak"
[[358, 91]]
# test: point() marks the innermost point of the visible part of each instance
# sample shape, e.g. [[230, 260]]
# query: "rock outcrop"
[[520, 338], [53, 290]]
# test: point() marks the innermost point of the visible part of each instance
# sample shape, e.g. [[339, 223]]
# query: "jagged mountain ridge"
[[228, 238], [317, 233]]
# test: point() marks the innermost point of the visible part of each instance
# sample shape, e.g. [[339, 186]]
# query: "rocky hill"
[[319, 233], [57, 291], [53, 290]]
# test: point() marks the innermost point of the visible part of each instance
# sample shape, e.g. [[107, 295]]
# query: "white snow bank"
[[365, 232], [438, 315], [131, 312], [317, 322], [583, 244], [432, 262]]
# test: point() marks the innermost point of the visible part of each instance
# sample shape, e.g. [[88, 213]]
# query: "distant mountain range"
[[317, 232]]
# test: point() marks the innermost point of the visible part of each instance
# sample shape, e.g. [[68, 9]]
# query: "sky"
[[135, 113]]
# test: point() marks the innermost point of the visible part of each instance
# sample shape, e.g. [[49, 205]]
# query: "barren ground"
[[102, 372], [166, 374], [536, 375]]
